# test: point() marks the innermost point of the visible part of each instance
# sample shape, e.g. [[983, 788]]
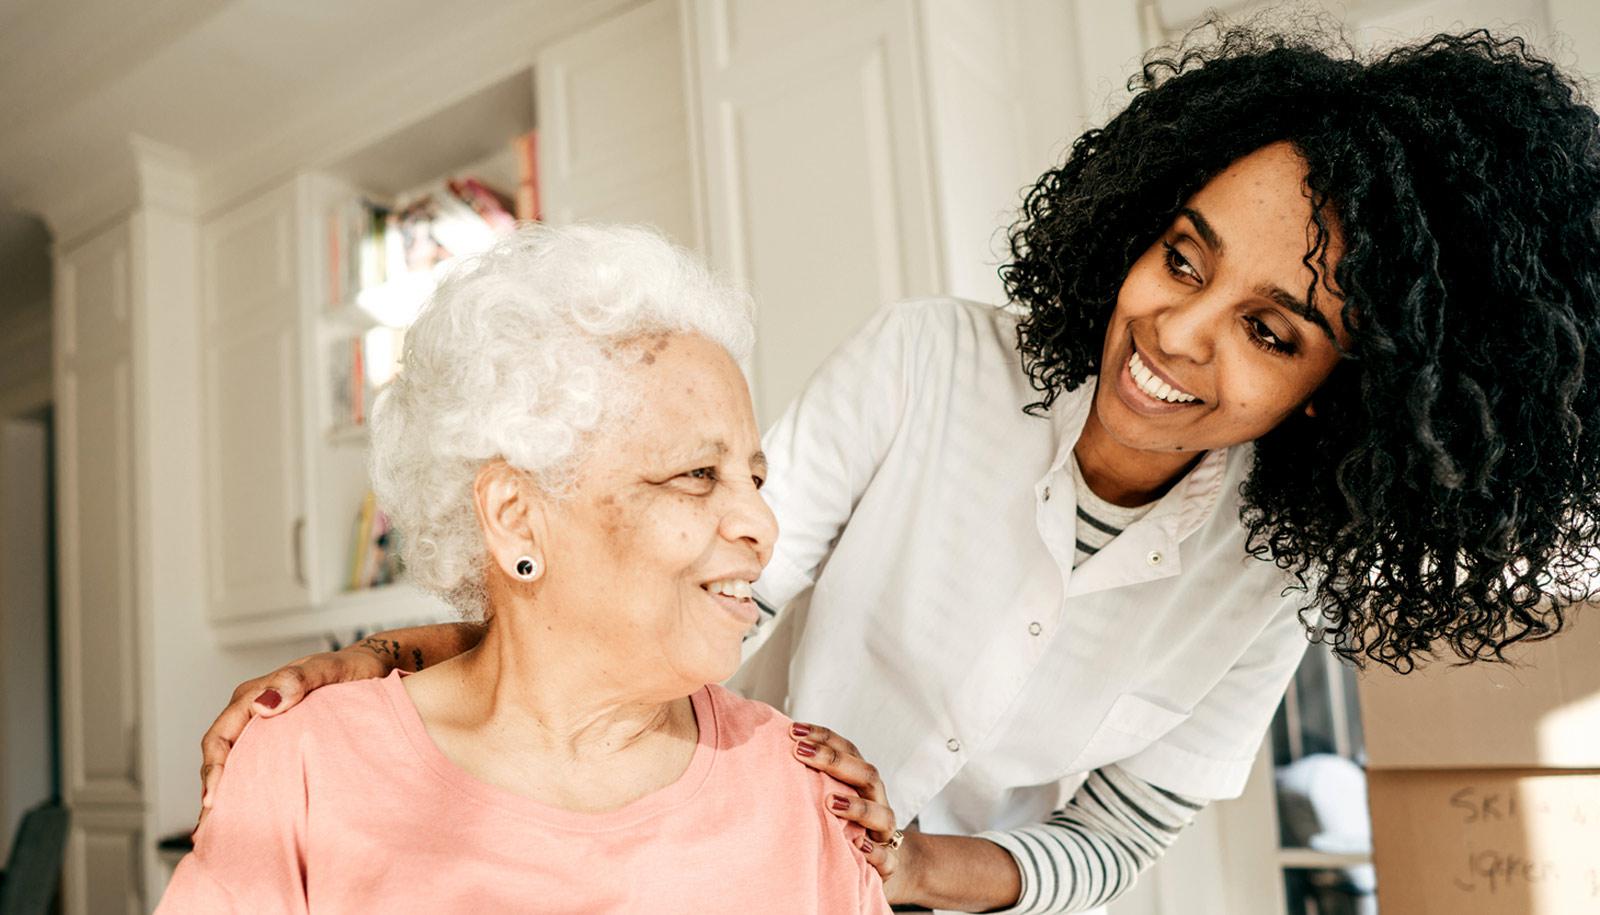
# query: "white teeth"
[[1155, 387], [736, 588]]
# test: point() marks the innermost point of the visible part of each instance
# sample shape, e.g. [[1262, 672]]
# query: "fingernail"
[[839, 803], [269, 699], [866, 846], [205, 798], [799, 730], [805, 749]]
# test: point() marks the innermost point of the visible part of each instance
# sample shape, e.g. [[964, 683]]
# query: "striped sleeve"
[[1091, 851]]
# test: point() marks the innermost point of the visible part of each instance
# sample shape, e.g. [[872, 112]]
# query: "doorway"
[[30, 755]]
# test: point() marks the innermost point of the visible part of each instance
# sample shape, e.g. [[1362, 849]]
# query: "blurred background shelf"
[[369, 610]]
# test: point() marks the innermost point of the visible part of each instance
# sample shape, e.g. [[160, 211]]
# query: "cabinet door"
[[99, 630], [104, 863], [817, 171], [254, 458], [614, 137], [99, 650]]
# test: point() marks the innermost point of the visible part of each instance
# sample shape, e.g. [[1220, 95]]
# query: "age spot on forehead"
[[643, 349]]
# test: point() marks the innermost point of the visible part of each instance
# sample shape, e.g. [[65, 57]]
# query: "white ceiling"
[[231, 83], [246, 89]]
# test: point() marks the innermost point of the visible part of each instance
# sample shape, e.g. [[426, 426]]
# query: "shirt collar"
[[1185, 507]]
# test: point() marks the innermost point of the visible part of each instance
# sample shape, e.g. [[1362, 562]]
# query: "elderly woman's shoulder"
[[741, 720], [758, 735], [342, 711]]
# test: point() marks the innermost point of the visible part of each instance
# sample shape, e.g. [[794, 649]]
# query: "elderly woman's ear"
[[512, 519]]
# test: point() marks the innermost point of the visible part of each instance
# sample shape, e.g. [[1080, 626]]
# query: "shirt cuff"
[[1025, 866], [1183, 772]]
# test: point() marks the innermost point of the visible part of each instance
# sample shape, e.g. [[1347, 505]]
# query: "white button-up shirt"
[[931, 524]]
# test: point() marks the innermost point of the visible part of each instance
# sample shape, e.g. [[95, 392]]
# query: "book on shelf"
[[371, 243], [347, 383], [491, 206], [527, 196], [374, 559]]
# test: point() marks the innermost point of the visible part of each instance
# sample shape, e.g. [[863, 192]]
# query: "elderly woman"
[[571, 454]]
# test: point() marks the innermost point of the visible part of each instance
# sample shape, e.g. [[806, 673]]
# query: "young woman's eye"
[[1178, 265], [1261, 335]]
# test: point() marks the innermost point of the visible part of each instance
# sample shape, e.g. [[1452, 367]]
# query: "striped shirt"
[[1099, 521]]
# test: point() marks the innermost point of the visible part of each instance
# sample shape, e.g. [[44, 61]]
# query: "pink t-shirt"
[[344, 804]]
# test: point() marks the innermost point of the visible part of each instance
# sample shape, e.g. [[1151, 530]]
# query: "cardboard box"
[[1543, 712], [1486, 842], [1484, 782]]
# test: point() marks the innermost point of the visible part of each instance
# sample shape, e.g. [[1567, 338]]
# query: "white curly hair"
[[509, 359]]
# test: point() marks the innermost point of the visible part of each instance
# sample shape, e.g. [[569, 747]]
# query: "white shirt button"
[[1154, 557], [953, 745], [1035, 628], [1047, 494]]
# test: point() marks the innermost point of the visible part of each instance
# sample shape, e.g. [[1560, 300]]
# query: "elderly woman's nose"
[[750, 519]]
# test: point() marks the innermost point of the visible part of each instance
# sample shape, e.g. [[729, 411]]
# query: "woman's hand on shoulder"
[[278, 692], [827, 752]]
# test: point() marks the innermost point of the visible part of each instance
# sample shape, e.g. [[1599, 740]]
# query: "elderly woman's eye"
[[759, 481], [708, 474]]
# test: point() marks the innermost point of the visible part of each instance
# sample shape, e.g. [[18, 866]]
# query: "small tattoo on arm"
[[387, 649], [416, 656]]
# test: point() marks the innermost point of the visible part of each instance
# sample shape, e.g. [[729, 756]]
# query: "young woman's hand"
[[825, 751], [407, 649], [275, 694]]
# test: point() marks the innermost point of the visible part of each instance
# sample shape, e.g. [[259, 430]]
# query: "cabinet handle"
[[299, 551]]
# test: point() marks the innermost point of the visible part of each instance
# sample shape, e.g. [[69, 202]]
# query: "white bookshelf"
[[291, 580], [285, 572]]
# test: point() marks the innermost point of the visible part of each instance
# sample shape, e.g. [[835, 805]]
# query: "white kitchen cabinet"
[[100, 676], [614, 124], [126, 407], [855, 154], [284, 480], [254, 444]]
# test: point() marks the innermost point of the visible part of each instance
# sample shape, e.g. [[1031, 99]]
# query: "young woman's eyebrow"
[[1204, 229]]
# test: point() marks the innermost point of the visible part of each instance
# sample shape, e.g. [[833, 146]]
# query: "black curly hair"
[[1449, 482]]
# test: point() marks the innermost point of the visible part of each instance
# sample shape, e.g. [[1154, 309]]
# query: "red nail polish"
[[799, 730], [805, 749], [270, 699], [866, 846], [839, 803]]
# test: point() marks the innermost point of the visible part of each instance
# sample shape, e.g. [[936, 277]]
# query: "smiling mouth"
[[735, 596], [1153, 385]]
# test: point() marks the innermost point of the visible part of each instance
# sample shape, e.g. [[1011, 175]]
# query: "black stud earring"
[[527, 568]]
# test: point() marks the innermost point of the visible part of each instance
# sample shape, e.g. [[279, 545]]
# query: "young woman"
[[1304, 343]]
